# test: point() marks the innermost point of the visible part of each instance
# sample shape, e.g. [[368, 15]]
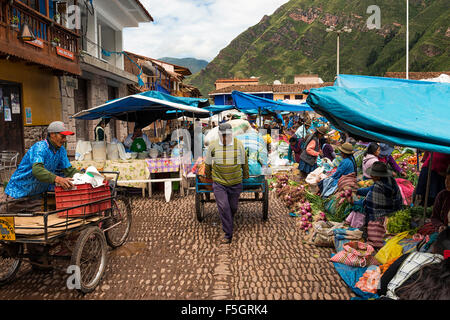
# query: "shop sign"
[[28, 116], [65, 53], [37, 43]]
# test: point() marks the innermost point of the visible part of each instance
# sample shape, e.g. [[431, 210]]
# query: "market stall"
[[137, 168], [418, 117]]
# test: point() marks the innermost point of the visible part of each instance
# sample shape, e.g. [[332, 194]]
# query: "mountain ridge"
[[193, 64], [293, 41]]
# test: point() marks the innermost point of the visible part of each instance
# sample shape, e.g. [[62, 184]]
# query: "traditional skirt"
[[375, 232], [306, 168], [437, 184]]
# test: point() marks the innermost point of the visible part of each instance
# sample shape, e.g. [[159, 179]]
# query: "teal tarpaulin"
[[249, 103], [400, 112], [153, 102]]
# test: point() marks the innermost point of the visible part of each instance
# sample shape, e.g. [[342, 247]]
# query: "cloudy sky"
[[194, 28]]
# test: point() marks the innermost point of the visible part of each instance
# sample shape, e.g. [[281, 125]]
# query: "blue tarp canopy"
[[144, 108], [252, 104], [212, 110], [396, 111]]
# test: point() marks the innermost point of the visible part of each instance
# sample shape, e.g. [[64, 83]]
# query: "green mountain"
[[293, 41], [195, 65]]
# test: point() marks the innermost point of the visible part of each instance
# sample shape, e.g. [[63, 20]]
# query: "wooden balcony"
[[62, 57]]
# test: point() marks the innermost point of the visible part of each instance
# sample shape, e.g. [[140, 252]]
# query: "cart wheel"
[[10, 261], [265, 206], [120, 215], [199, 207], [89, 255]]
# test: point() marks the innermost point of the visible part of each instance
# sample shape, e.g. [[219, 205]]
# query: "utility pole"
[[407, 39], [333, 29]]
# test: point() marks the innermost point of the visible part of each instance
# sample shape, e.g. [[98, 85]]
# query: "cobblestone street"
[[170, 255]]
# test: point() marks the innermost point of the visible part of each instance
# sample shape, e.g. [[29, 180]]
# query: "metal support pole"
[[337, 66], [407, 39], [427, 192]]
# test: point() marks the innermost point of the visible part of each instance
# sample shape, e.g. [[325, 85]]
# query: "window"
[[287, 97], [298, 97]]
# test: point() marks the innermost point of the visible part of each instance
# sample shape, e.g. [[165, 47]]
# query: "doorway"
[[81, 103], [11, 120], [112, 94]]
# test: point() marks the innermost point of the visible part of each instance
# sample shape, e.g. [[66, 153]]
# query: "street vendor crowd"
[[364, 198], [367, 201]]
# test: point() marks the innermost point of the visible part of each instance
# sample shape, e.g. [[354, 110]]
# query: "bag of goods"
[[392, 249], [255, 146], [112, 151], [238, 126], [99, 150], [344, 235], [314, 177], [406, 189], [322, 234], [83, 150], [356, 254]]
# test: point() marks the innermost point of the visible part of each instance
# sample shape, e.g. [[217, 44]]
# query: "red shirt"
[[441, 161]]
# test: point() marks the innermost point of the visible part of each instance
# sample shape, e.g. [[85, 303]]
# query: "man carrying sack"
[[227, 164]]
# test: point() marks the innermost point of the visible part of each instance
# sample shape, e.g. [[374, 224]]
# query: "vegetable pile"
[[399, 222], [303, 204]]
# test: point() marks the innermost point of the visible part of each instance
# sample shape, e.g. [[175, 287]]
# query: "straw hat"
[[346, 148], [379, 169], [322, 129]]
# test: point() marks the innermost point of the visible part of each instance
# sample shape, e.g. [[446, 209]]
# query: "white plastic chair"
[[8, 163]]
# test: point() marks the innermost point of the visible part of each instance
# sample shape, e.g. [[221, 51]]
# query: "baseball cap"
[[59, 127], [225, 128]]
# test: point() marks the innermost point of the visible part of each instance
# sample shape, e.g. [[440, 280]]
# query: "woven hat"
[[346, 148], [379, 169], [322, 129], [385, 149]]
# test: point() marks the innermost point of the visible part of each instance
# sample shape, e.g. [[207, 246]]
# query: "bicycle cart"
[[84, 237], [256, 184]]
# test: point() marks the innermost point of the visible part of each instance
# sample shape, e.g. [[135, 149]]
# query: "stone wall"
[[33, 134], [97, 94]]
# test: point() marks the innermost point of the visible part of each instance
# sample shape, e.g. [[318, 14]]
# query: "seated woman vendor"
[[37, 170], [295, 149], [370, 157], [346, 167], [441, 208], [385, 155], [382, 199], [136, 140]]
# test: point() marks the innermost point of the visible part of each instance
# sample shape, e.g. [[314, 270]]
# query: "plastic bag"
[[83, 150], [391, 249], [314, 177], [322, 234]]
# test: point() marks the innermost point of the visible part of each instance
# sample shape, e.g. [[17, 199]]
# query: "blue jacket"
[[23, 183]]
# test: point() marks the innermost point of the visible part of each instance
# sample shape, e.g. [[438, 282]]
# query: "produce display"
[[408, 162], [400, 221], [365, 183], [308, 207]]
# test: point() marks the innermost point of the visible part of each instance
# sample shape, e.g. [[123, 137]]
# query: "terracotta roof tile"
[[274, 88], [237, 80], [416, 75]]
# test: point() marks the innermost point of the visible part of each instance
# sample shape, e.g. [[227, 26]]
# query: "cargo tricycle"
[[74, 226]]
